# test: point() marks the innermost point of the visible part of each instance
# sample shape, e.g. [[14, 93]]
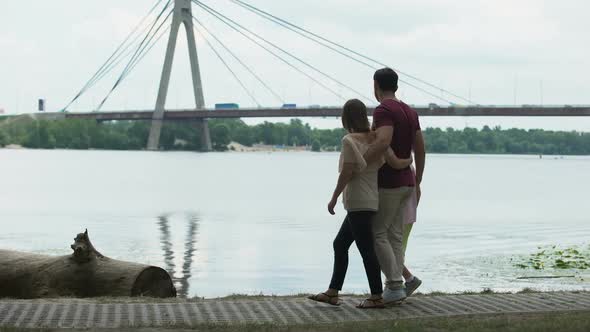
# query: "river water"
[[250, 223]]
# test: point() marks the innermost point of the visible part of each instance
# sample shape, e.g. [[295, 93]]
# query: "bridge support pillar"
[[182, 16], [202, 125], [154, 138]]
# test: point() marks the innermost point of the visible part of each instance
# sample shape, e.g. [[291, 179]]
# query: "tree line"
[[132, 135]]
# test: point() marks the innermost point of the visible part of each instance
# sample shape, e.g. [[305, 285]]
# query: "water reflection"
[[181, 282]]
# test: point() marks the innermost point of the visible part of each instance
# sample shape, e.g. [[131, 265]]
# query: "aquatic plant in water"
[[576, 258]]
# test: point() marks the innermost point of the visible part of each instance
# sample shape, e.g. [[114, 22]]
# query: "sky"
[[492, 52]]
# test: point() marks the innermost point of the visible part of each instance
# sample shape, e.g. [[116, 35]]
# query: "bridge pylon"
[[182, 15]]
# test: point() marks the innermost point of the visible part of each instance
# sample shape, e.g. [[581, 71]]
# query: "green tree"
[[3, 138], [46, 139], [315, 146], [220, 137], [119, 135]]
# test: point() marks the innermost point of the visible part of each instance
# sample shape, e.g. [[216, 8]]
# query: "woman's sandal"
[[371, 304], [325, 298]]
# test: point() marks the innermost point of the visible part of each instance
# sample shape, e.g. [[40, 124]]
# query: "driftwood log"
[[84, 273]]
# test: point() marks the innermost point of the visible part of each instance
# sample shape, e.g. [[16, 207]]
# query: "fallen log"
[[84, 273]]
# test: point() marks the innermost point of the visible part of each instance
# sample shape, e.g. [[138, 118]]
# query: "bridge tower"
[[182, 15]]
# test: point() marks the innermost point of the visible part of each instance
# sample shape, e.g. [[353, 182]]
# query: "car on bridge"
[[227, 106], [289, 106]]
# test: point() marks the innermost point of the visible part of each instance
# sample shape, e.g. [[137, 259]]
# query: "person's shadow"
[[181, 283]]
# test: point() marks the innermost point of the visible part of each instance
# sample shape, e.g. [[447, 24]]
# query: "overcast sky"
[[496, 52]]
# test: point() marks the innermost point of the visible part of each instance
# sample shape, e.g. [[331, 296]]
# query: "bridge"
[[170, 15], [195, 114]]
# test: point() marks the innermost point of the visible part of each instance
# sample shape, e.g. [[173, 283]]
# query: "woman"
[[358, 183]]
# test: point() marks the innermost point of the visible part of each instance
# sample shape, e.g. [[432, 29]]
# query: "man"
[[397, 125]]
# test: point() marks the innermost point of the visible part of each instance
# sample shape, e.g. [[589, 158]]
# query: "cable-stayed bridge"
[[167, 16], [195, 114]]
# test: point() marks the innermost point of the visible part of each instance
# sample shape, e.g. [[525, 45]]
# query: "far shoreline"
[[290, 149]]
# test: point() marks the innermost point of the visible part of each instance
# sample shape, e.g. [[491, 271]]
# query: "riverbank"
[[293, 136], [234, 147], [477, 312], [237, 147]]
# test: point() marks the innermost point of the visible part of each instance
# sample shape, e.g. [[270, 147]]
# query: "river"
[[252, 223]]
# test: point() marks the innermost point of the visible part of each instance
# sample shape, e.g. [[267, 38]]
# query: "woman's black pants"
[[356, 228]]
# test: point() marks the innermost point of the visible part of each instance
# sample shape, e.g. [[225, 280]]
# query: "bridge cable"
[[220, 57], [277, 20], [147, 47], [293, 27], [142, 46], [122, 56], [140, 49], [162, 34], [284, 51], [118, 60], [276, 55], [276, 95], [142, 55], [107, 66]]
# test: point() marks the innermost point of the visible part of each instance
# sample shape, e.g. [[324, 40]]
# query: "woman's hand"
[[343, 179], [332, 205]]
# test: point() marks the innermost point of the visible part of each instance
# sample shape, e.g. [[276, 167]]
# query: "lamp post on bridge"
[[182, 15]]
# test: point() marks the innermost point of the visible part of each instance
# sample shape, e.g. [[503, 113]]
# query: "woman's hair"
[[354, 117]]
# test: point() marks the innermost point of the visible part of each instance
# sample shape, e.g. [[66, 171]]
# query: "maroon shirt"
[[405, 123]]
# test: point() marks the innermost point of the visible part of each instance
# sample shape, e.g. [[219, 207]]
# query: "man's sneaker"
[[412, 286], [393, 296]]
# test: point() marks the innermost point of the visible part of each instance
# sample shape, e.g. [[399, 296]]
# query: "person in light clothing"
[[357, 182], [409, 217]]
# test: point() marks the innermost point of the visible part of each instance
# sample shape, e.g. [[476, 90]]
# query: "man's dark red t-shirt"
[[405, 123]]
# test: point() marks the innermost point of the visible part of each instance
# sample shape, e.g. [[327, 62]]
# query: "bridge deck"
[[194, 114], [184, 114]]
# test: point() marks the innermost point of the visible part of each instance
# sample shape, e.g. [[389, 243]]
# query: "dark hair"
[[386, 79], [354, 117]]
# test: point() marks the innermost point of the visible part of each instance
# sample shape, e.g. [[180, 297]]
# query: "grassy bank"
[[577, 321], [233, 297]]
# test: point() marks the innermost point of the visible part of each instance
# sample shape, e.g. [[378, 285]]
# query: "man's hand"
[[394, 162], [407, 162], [331, 206], [418, 194]]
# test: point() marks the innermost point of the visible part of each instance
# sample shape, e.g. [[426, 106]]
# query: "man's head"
[[385, 82], [354, 117]]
